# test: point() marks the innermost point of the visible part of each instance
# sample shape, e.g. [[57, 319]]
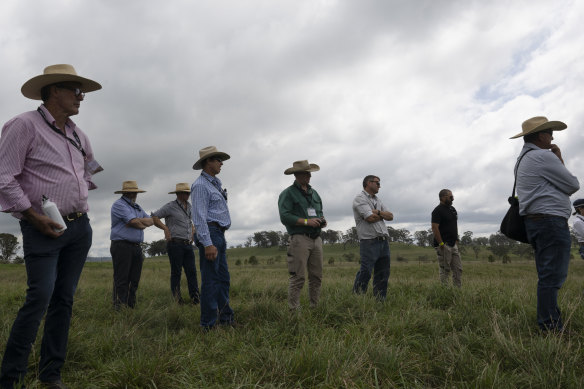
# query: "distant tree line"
[[498, 244]]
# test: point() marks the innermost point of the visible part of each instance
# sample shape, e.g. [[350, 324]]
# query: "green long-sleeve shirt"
[[293, 204]]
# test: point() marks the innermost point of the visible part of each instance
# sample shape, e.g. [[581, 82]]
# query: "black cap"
[[578, 204]]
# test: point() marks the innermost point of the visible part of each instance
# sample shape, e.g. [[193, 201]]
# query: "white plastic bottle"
[[50, 209]]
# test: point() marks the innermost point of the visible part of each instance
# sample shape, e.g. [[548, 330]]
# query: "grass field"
[[424, 336]]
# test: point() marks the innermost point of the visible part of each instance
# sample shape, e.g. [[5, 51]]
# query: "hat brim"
[[311, 168], [223, 156], [180, 191], [32, 88], [554, 125], [130, 191]]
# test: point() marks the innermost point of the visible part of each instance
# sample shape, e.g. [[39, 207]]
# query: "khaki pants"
[[449, 261], [304, 254]]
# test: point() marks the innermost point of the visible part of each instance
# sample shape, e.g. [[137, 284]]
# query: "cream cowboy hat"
[[54, 74], [302, 166], [208, 152], [537, 124], [181, 187], [130, 187]]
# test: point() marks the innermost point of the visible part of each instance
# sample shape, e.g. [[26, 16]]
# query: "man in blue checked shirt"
[[211, 219], [128, 224]]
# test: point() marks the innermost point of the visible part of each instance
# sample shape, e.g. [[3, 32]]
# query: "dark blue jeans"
[[550, 238], [53, 268], [374, 258], [182, 255], [215, 281]]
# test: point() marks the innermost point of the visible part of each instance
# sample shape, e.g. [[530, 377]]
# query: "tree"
[[272, 238], [284, 238], [477, 249], [158, 247], [401, 236], [260, 239], [481, 241], [500, 245], [350, 237], [8, 247], [248, 241], [330, 236], [466, 239], [424, 238], [523, 250]]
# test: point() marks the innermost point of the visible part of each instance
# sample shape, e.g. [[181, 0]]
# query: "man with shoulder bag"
[[544, 186]]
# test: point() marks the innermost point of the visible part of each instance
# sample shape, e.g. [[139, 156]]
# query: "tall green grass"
[[424, 336]]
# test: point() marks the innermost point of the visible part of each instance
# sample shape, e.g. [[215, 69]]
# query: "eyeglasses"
[[78, 92], [216, 159], [378, 183]]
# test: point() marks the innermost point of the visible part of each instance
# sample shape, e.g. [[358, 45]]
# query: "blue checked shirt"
[[209, 205]]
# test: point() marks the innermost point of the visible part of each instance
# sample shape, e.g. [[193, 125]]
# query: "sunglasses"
[[78, 92]]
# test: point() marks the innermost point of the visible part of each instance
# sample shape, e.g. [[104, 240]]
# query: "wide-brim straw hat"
[[130, 187], [537, 124], [208, 152], [55, 74], [181, 187], [302, 166]]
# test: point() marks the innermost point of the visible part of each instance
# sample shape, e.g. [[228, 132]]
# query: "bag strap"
[[517, 167]]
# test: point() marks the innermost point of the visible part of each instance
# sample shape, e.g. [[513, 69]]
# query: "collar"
[[371, 196], [308, 187], [210, 177], [51, 119]]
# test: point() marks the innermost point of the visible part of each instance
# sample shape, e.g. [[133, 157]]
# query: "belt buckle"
[[76, 215]]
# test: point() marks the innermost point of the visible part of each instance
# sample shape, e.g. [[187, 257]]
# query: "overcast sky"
[[424, 94]]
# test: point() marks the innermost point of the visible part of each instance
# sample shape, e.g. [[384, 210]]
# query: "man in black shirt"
[[445, 230]]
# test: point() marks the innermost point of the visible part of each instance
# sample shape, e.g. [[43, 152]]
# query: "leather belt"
[[181, 241], [312, 235], [378, 238], [537, 216], [126, 242], [73, 216]]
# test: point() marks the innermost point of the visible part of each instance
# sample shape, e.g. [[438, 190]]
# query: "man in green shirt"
[[301, 212]]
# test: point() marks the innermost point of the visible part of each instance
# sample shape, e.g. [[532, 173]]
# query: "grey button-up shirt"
[[544, 185], [177, 219], [363, 206]]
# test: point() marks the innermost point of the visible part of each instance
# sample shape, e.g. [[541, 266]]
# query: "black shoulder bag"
[[512, 225]]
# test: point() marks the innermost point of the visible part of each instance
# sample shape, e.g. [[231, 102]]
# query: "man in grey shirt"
[[544, 186], [178, 232], [370, 215]]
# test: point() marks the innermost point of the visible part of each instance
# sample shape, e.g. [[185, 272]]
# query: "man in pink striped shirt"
[[43, 153]]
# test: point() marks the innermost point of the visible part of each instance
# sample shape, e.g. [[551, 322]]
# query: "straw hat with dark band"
[[302, 166], [537, 124], [55, 74], [130, 187], [182, 187], [208, 152]]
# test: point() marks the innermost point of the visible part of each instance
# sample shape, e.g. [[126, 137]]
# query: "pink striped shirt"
[[37, 161]]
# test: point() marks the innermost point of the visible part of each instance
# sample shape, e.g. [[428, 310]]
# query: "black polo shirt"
[[447, 219]]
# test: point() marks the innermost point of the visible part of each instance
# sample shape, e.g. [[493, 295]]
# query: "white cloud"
[[423, 94]]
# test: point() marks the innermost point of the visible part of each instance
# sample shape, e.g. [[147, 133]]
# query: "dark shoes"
[[53, 385]]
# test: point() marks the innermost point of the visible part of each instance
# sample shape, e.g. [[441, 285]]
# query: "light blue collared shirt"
[[209, 205], [122, 212], [544, 185]]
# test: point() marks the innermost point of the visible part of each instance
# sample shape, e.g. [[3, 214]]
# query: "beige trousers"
[[304, 254], [449, 261]]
